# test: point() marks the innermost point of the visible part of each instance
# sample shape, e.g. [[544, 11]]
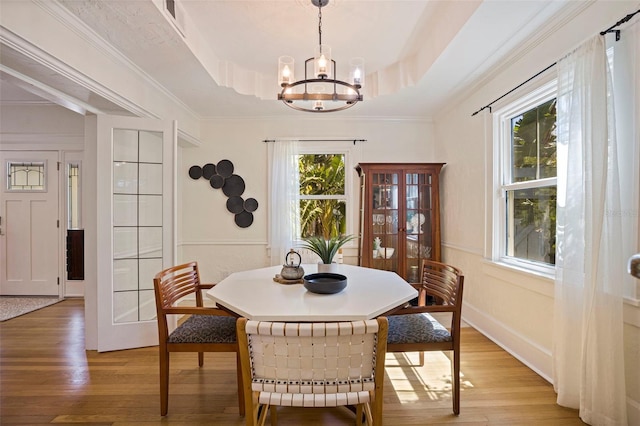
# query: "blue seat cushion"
[[416, 328], [205, 329]]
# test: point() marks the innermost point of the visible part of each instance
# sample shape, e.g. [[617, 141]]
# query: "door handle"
[[634, 265]]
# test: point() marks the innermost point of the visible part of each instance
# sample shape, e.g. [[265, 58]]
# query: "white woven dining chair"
[[312, 365]]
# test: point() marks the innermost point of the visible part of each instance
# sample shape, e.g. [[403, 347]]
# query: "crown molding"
[[66, 18], [568, 12]]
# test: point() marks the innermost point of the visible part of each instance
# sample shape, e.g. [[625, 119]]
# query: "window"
[[310, 192], [26, 176], [323, 198], [73, 195], [525, 227]]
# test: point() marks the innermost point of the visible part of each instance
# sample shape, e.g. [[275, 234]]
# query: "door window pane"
[[73, 196], [137, 220], [26, 176]]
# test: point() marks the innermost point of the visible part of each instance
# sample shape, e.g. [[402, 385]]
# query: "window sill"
[[528, 279], [543, 283]]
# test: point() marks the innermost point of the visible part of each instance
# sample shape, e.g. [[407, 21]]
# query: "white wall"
[[207, 232], [513, 308]]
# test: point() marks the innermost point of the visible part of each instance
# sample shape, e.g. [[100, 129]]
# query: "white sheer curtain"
[[626, 88], [284, 199], [588, 350]]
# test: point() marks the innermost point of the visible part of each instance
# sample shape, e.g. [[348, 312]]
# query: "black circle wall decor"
[[233, 185], [195, 172], [235, 204], [208, 170], [225, 168], [220, 176], [251, 204], [216, 181], [244, 219]]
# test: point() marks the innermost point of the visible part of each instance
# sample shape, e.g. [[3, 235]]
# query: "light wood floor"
[[48, 378]]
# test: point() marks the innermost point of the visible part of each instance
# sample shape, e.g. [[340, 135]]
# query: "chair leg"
[[262, 416], [455, 382], [164, 382], [375, 408], [253, 416], [370, 416], [421, 358], [273, 414], [241, 396], [200, 359], [359, 414]]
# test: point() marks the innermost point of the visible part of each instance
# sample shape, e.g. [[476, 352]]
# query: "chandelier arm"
[[335, 76], [343, 107]]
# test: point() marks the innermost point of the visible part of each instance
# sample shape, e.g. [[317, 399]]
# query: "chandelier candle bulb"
[[322, 66], [356, 71], [323, 61], [285, 70]]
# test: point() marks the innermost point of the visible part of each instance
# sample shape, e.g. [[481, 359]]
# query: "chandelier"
[[324, 92]]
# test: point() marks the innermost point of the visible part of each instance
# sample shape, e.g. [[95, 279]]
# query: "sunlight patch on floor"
[[411, 382]]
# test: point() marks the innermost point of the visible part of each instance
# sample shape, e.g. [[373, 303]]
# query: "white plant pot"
[[328, 267]]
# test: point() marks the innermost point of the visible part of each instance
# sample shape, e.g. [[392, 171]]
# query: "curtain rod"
[[512, 90], [617, 24], [321, 140], [608, 30]]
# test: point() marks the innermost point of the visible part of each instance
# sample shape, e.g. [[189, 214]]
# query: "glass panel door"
[[386, 213], [137, 222], [419, 218], [135, 226]]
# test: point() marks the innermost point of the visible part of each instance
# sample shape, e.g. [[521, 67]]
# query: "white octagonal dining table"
[[255, 295]]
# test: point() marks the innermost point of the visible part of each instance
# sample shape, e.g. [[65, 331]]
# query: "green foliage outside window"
[[534, 143], [322, 176], [534, 209]]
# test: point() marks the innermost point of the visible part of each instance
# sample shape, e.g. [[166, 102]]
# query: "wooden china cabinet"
[[399, 216]]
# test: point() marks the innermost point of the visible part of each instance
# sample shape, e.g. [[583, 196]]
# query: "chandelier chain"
[[320, 26]]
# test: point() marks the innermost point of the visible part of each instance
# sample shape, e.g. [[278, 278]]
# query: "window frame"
[[327, 148], [502, 175]]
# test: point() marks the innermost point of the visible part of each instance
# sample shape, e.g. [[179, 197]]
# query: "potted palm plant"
[[326, 249]]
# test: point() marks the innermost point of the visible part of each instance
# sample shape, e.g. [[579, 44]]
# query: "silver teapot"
[[291, 271]]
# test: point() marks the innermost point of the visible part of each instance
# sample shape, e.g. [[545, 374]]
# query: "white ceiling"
[[419, 54]]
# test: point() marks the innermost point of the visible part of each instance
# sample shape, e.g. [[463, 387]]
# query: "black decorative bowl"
[[325, 283]]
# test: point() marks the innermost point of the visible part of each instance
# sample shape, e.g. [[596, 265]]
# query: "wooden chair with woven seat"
[[206, 329], [413, 329], [312, 365]]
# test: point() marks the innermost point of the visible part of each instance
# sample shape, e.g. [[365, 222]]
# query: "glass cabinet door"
[[386, 192], [418, 224], [399, 213]]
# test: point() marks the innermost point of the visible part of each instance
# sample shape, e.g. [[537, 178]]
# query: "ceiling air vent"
[[175, 14]]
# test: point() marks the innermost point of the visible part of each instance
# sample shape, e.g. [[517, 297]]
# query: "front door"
[[29, 224]]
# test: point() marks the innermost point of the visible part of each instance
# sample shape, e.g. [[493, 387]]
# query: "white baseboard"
[[74, 289], [529, 353], [533, 356]]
